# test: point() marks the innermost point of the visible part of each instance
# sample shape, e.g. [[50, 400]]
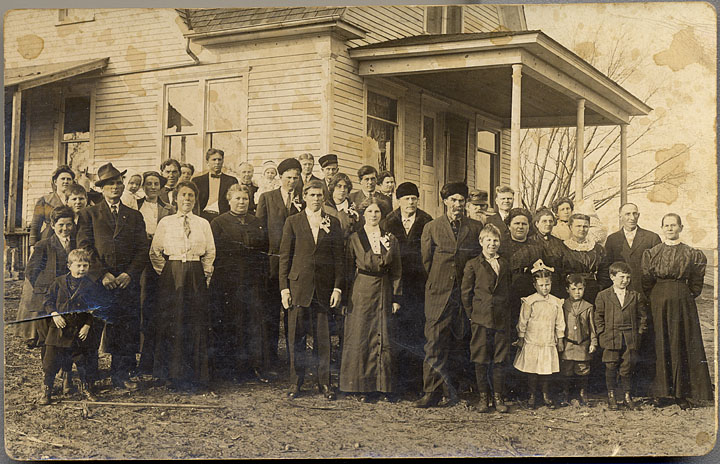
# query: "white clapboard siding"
[[480, 18], [412, 130], [347, 114], [135, 39]]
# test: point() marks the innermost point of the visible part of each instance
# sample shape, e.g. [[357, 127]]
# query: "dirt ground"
[[255, 420]]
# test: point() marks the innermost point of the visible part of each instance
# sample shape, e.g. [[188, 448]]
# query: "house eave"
[[336, 26]]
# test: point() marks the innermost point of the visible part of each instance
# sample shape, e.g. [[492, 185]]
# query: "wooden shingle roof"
[[223, 19]]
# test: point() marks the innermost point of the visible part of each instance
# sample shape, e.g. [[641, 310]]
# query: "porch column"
[[579, 150], [515, 132], [623, 164], [14, 161]]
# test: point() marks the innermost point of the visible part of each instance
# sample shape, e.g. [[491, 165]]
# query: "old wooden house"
[[431, 93]]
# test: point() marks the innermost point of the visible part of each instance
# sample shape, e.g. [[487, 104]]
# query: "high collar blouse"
[[170, 239]]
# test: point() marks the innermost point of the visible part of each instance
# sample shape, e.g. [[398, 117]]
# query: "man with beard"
[[407, 224], [447, 243]]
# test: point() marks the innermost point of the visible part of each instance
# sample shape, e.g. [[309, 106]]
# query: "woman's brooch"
[[385, 240], [325, 224]]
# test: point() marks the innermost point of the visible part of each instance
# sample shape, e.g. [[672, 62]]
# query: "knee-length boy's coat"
[[485, 294], [608, 309]]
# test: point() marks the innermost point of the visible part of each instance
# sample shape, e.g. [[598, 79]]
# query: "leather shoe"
[[260, 376], [452, 397], [124, 384], [294, 392], [327, 392], [428, 400]]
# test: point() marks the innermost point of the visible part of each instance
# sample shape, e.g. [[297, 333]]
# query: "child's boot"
[[612, 403], [532, 387], [46, 397], [583, 390], [67, 385], [482, 383], [626, 384], [565, 396], [547, 399], [498, 386]]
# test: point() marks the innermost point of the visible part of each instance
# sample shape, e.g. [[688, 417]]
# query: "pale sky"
[[674, 45]]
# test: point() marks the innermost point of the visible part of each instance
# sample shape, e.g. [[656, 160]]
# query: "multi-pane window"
[[443, 19], [75, 142], [488, 162], [203, 114], [382, 124]]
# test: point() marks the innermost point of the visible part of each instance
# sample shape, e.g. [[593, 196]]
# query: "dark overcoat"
[[486, 295], [608, 309], [203, 184], [272, 212], [617, 249]]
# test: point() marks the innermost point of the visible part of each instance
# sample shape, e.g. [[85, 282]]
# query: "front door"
[[432, 167]]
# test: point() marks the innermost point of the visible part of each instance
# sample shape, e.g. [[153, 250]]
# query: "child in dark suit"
[[485, 295], [70, 300], [580, 338], [621, 320]]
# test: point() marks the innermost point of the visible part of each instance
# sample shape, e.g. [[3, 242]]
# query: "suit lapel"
[[629, 296], [121, 219], [448, 230], [463, 231], [305, 225]]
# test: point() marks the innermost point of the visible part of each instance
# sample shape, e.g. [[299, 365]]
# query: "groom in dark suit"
[[213, 186], [447, 243], [115, 237], [627, 245], [311, 277]]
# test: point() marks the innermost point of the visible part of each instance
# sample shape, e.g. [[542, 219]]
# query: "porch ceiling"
[[476, 69]]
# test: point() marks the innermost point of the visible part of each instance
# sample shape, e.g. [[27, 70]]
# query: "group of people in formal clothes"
[[194, 275]]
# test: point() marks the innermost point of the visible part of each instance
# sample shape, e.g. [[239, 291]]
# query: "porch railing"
[[17, 252]]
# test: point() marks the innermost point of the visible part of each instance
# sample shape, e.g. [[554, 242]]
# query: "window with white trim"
[[487, 162], [204, 114], [443, 19]]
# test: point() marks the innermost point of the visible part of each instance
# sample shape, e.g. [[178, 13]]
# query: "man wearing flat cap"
[[272, 209], [329, 166], [116, 238], [447, 243], [477, 204], [407, 223]]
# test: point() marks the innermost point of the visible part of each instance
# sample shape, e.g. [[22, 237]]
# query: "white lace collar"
[[587, 245]]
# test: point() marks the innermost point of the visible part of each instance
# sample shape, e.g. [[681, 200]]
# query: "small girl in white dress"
[[541, 329]]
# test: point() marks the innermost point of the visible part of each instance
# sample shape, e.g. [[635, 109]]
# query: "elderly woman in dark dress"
[[549, 248], [240, 267], [519, 252], [367, 359], [676, 271], [62, 178], [181, 338]]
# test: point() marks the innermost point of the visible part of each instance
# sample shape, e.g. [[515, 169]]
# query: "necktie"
[[455, 227], [407, 223], [186, 226], [114, 210], [288, 202]]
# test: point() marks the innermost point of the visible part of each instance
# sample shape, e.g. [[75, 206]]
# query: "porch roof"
[[477, 69], [27, 77]]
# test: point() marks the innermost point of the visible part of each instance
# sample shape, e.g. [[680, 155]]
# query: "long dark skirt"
[[181, 339], [681, 368], [31, 306]]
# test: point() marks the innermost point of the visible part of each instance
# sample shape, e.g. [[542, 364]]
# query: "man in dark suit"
[[368, 187], [311, 276], [246, 171], [307, 162], [447, 243], [627, 245], [213, 186], [504, 198], [115, 237], [170, 169], [329, 166], [272, 209], [407, 223]]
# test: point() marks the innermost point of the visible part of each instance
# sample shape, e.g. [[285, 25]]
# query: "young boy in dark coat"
[[621, 321], [70, 300], [485, 297]]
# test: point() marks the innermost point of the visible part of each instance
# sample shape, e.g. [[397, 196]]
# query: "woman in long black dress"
[[181, 339], [367, 359], [586, 257], [676, 273], [240, 266]]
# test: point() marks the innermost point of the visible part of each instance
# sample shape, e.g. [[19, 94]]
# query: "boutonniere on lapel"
[[352, 212], [385, 240], [297, 203], [325, 224]]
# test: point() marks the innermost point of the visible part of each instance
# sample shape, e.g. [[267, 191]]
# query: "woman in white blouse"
[[368, 361], [181, 337]]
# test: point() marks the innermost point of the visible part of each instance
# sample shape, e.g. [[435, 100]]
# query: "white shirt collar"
[[315, 214], [110, 205]]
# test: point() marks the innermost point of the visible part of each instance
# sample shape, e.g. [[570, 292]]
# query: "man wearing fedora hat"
[[116, 238]]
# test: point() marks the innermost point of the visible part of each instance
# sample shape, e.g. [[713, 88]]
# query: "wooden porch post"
[[515, 132], [579, 150], [623, 165], [14, 161]]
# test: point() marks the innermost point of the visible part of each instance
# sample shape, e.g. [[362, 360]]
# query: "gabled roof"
[[27, 77], [201, 21]]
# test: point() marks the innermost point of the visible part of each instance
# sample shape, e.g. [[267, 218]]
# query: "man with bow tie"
[[272, 209], [213, 186], [115, 237], [311, 278], [407, 223], [170, 169], [447, 243]]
